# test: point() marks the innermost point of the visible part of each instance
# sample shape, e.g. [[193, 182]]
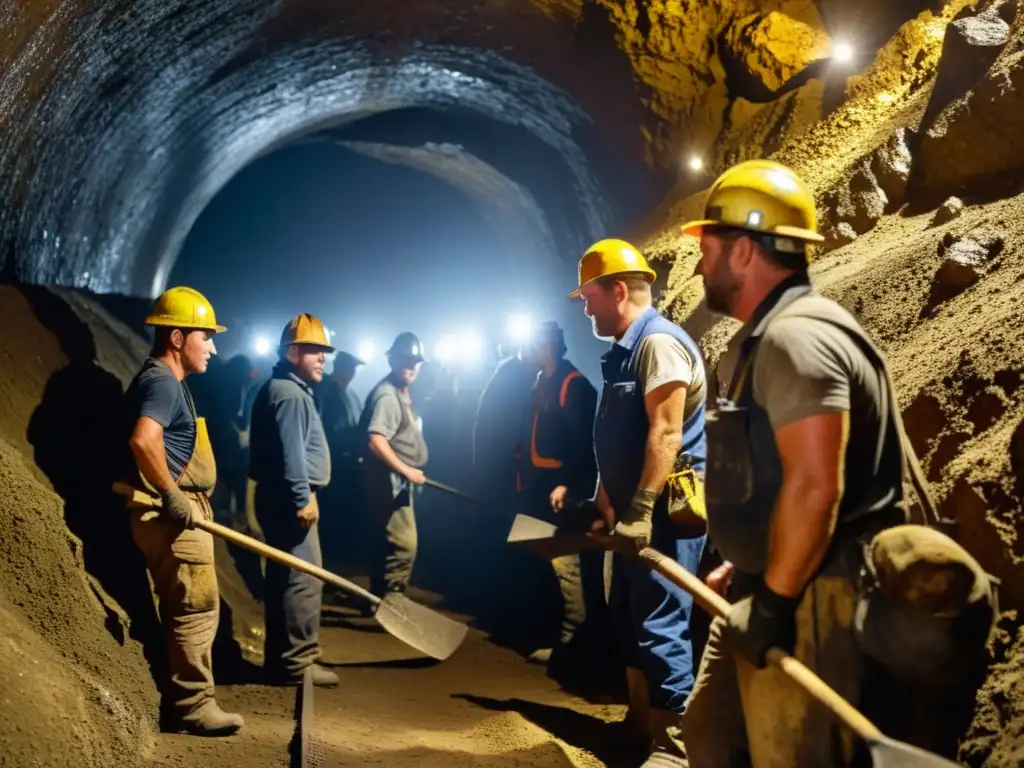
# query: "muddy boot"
[[324, 678], [667, 751], [210, 720]]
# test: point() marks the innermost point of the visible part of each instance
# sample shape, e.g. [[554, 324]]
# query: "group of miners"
[[290, 463], [791, 478]]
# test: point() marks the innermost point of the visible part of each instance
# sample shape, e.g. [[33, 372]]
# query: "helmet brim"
[[696, 228], [649, 275], [169, 322]]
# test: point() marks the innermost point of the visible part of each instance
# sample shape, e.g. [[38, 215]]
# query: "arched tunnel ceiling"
[[512, 211], [121, 118]]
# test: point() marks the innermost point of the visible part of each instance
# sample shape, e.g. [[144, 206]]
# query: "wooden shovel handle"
[[283, 558], [143, 500], [788, 665]]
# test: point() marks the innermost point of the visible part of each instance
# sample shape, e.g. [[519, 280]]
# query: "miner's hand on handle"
[[885, 752], [415, 476], [179, 508], [632, 532]]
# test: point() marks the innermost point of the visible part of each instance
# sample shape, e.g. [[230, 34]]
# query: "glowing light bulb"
[[261, 346], [366, 350], [843, 53]]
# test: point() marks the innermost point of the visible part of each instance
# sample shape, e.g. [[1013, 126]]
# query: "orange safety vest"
[[536, 459], [542, 462]]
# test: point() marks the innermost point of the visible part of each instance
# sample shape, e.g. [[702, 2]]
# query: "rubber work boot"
[[667, 750], [210, 720]]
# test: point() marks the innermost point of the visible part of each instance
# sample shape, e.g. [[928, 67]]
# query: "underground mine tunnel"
[[440, 167]]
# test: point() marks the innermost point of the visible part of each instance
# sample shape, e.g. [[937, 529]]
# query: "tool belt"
[[686, 504]]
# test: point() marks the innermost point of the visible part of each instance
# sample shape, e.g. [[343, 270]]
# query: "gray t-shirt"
[[389, 413], [664, 359], [156, 393], [806, 367]]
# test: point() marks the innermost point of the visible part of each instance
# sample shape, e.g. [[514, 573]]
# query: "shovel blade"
[[542, 539], [420, 627], [889, 753]]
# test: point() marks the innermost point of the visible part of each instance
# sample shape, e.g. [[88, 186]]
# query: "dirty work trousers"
[[652, 617], [181, 565], [292, 599], [740, 716], [393, 537]]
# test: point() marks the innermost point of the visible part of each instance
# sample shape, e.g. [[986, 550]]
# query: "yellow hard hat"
[[611, 257], [761, 196], [186, 308], [306, 329]]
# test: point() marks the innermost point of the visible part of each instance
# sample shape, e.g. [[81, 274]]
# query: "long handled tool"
[[543, 539], [424, 629], [447, 489], [885, 752]]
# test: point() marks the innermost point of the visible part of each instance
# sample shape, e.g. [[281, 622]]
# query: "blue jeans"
[[652, 618]]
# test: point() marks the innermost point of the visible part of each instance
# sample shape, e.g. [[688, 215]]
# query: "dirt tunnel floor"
[[485, 706]]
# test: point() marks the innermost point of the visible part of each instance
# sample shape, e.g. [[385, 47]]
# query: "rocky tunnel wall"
[[120, 120]]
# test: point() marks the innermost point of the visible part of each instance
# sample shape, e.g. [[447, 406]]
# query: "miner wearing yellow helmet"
[[173, 463], [291, 463], [805, 468], [649, 442]]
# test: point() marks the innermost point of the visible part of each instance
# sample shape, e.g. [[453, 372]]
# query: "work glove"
[[764, 620], [633, 529], [179, 508]]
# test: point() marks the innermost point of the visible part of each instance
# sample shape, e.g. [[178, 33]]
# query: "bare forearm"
[[802, 525], [151, 459], [383, 451], [659, 458]]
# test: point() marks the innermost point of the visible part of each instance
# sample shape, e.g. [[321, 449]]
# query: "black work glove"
[[633, 529], [178, 508], [764, 620]]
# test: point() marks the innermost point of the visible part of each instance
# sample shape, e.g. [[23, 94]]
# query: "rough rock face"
[[774, 47], [948, 211], [854, 209], [890, 165], [967, 260], [976, 141], [972, 43]]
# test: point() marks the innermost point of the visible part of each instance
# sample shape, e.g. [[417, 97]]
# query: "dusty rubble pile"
[[75, 688]]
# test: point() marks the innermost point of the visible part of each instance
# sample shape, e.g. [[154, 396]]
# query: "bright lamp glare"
[[843, 53], [471, 347], [261, 346], [696, 163], [520, 328], [366, 350], [445, 350]]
